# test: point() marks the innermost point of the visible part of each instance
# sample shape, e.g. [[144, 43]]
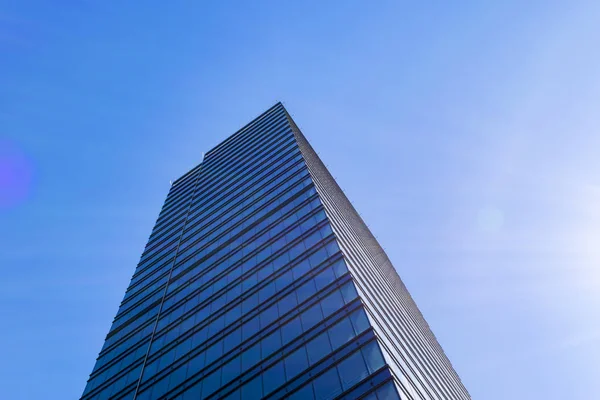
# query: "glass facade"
[[253, 285]]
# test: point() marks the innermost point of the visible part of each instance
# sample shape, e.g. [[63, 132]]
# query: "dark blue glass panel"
[[327, 386]]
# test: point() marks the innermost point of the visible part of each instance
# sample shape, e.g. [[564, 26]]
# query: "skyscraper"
[[260, 280]]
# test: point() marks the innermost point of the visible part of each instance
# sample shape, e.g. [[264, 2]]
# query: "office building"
[[260, 280]]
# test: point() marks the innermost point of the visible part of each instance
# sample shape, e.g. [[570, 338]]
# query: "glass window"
[[249, 281], [372, 356], [291, 330], [266, 292], [300, 269], [332, 303], [318, 256], [211, 383], [252, 390], [235, 395], [199, 337], [318, 348], [341, 333], [266, 270], [349, 292], [177, 376], [326, 230], [271, 343], [233, 339], [296, 250], [196, 364], [339, 267], [233, 314], [359, 320], [183, 347], [250, 356], [324, 278], [296, 362], [287, 303], [249, 303], [387, 392], [231, 369], [193, 393], [166, 359], [352, 370], [370, 396], [216, 325], [273, 377], [234, 292], [285, 279], [311, 240], [332, 248], [306, 393], [151, 368], [280, 261], [306, 290], [250, 328], [215, 351], [311, 317], [269, 315], [327, 386]]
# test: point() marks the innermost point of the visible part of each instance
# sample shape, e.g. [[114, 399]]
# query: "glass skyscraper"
[[260, 280]]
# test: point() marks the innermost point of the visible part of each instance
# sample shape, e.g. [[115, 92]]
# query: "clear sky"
[[466, 134]]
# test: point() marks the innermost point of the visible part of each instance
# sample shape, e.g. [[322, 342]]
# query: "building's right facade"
[[416, 361]]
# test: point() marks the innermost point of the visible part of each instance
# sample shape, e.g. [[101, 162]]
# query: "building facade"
[[260, 280]]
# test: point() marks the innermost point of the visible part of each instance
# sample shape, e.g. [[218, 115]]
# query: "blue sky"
[[467, 135]]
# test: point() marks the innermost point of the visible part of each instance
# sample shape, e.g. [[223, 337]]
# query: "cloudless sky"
[[467, 134]]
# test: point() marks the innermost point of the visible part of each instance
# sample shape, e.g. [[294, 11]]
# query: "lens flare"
[[15, 175]]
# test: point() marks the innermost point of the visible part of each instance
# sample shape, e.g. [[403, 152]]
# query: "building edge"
[[347, 224]]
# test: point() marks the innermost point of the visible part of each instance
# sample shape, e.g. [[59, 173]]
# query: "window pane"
[[253, 390], [341, 333], [332, 303], [215, 351], [373, 356], [332, 248], [231, 369], [250, 356], [349, 292], [250, 328], [339, 268], [359, 321], [306, 290], [291, 330], [311, 316], [271, 343], [370, 396], [327, 386], [306, 393], [296, 362], [236, 395], [194, 393], [387, 392], [196, 364], [269, 315], [233, 339], [273, 377], [324, 278], [352, 370], [211, 383], [318, 348]]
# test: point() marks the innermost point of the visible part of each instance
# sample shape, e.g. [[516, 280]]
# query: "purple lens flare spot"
[[16, 173]]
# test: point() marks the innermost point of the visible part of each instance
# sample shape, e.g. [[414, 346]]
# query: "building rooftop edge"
[[207, 154]]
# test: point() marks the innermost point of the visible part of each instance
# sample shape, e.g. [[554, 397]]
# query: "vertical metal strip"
[[168, 282]]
